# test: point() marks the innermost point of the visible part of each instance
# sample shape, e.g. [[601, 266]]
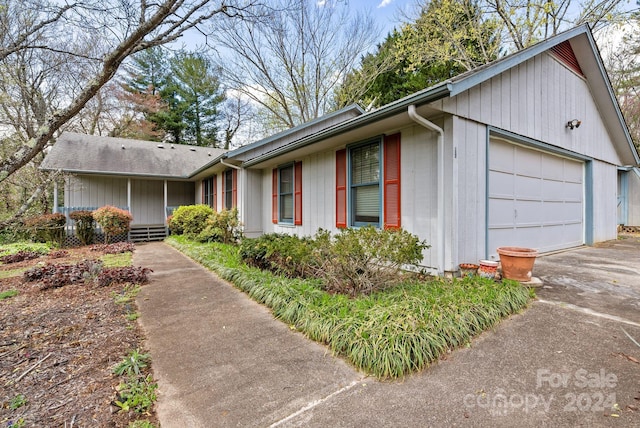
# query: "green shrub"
[[222, 226], [282, 254], [85, 225], [364, 260], [190, 220], [16, 247], [113, 221], [355, 261], [47, 227]]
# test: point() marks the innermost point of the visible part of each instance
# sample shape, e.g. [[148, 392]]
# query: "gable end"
[[564, 52]]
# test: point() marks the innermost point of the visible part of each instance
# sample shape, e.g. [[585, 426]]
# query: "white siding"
[[93, 191], [418, 191], [147, 202], [180, 193], [605, 201], [536, 99], [469, 142], [633, 198]]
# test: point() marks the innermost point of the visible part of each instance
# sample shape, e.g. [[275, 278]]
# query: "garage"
[[535, 198]]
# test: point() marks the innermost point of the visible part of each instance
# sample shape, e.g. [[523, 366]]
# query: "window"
[[364, 166], [368, 184], [209, 192], [287, 194], [229, 189]]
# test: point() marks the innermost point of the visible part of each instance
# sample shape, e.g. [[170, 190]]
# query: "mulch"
[[58, 348]]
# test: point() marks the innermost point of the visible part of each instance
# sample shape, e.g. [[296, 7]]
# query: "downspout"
[[229, 165], [441, 197]]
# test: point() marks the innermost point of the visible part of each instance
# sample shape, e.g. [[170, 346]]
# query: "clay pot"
[[468, 269], [488, 269], [517, 262]]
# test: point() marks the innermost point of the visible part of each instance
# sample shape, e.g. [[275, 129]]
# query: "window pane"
[[286, 207], [365, 164], [367, 203], [286, 180]]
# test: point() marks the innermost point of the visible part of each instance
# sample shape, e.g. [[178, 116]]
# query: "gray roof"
[[91, 154]]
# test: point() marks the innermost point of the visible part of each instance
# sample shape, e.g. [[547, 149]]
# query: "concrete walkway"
[[222, 360]]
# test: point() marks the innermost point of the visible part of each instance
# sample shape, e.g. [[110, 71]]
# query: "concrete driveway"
[[604, 278], [568, 360]]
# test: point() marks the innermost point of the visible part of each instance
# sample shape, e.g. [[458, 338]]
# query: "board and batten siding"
[[147, 202], [469, 142], [633, 198], [418, 191], [95, 191], [605, 201], [536, 99], [180, 193]]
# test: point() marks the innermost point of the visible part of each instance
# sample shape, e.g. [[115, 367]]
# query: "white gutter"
[[229, 165], [441, 198]]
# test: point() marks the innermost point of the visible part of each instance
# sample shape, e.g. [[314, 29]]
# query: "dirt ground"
[[58, 348]]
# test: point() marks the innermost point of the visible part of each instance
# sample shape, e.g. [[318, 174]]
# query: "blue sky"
[[386, 12]]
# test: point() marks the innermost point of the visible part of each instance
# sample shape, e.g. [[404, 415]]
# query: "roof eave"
[[434, 93]]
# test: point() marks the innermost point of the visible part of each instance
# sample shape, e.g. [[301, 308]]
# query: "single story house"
[[530, 150]]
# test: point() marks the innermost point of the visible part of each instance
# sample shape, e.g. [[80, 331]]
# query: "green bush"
[[113, 221], [282, 254], [364, 260], [222, 226], [355, 261], [85, 225], [47, 227], [190, 220], [16, 247]]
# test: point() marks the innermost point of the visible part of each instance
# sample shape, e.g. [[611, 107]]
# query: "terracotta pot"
[[468, 269], [517, 262], [487, 269]]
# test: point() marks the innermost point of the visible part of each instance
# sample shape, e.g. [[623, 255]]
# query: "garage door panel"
[[540, 196], [572, 192], [528, 187], [553, 168], [573, 171], [501, 212], [503, 184], [528, 163], [528, 212], [502, 159]]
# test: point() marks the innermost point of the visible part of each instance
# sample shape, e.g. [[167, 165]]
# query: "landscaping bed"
[[59, 345], [388, 333]]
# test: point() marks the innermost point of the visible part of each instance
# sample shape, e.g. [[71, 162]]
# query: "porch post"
[[55, 196], [129, 194], [165, 201]]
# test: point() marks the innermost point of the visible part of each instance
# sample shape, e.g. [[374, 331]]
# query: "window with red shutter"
[[341, 188], [392, 181], [215, 192], [234, 202], [298, 194], [274, 195]]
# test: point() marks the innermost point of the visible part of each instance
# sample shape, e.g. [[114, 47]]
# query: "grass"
[[15, 247], [7, 294], [387, 334], [118, 260], [11, 273]]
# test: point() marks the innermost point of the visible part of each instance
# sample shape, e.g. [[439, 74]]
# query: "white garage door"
[[535, 199]]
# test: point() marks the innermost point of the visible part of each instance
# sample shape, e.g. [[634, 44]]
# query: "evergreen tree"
[[449, 38]]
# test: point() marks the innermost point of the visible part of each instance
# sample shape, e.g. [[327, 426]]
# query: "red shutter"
[[341, 189], [274, 195], [215, 192], [234, 184], [392, 181], [224, 191], [297, 195]]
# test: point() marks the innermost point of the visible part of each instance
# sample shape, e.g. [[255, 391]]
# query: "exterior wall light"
[[575, 123]]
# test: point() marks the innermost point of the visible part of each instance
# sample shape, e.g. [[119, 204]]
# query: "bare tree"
[[526, 22], [292, 63], [123, 27]]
